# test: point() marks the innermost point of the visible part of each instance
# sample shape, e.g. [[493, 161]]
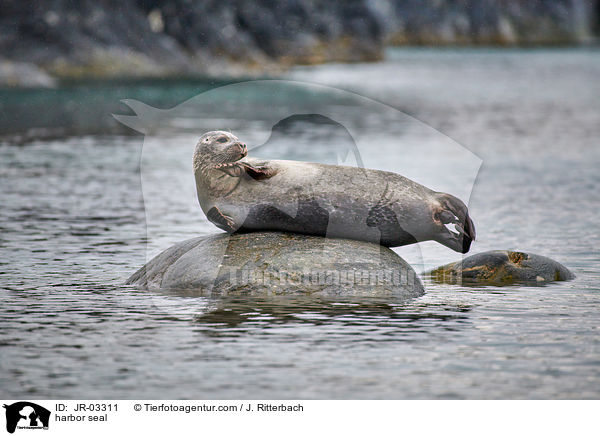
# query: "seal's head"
[[218, 150], [454, 226]]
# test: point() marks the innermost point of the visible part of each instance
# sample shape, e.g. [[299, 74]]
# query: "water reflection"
[[69, 330], [220, 313]]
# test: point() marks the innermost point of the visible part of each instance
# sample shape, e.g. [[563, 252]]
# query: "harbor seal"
[[240, 193]]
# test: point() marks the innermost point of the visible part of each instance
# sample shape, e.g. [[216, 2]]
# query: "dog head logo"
[[26, 415]]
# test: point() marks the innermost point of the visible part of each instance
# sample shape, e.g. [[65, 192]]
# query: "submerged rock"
[[279, 263], [501, 268]]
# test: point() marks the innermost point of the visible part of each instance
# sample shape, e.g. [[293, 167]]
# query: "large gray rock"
[[279, 263], [502, 268]]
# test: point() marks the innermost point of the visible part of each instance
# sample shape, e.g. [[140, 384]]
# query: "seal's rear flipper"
[[454, 211], [220, 220]]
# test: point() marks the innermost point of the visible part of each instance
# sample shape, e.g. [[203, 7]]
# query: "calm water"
[[73, 226]]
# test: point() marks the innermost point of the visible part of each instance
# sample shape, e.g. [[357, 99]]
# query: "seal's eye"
[[222, 139]]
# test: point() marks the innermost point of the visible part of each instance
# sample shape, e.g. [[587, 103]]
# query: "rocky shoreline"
[[42, 43]]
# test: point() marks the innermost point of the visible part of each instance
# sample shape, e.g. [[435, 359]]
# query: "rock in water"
[[501, 268], [279, 263]]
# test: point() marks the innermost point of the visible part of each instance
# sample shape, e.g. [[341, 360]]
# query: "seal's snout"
[[243, 149]]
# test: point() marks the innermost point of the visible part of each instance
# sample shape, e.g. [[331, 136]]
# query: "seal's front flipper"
[[233, 170], [223, 222], [259, 172]]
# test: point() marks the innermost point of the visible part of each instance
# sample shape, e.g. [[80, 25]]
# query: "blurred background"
[[512, 83], [71, 48]]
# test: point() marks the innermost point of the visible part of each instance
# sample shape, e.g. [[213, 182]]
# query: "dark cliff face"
[[107, 38], [496, 22], [149, 37], [296, 30]]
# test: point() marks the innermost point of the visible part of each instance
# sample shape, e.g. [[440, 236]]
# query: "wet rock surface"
[[279, 263], [502, 268]]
